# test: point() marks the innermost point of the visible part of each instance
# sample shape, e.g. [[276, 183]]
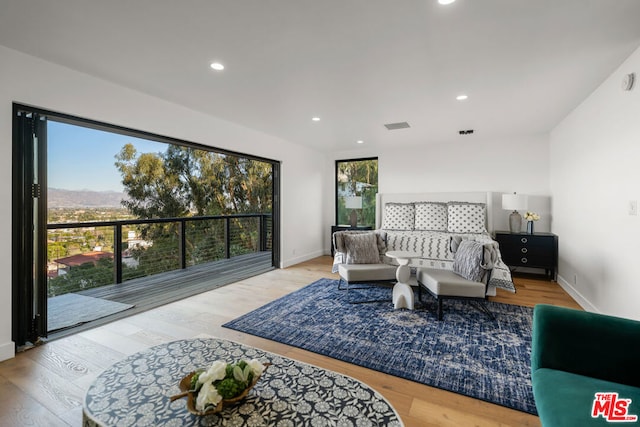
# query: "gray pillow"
[[381, 238], [467, 262], [362, 248]]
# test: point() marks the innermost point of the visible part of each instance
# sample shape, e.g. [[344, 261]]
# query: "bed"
[[426, 222]]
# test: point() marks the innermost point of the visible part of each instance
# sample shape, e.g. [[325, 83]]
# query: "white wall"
[[31, 81], [595, 172], [471, 163]]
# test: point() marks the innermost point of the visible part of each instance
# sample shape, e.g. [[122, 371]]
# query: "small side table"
[[402, 290], [537, 250], [335, 228]]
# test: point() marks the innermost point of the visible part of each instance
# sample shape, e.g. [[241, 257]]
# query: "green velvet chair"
[[576, 354]]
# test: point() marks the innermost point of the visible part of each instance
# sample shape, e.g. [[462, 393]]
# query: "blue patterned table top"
[[136, 391]]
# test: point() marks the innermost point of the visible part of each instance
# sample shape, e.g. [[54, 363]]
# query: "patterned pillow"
[[431, 216], [362, 248], [466, 217], [399, 216], [467, 261]]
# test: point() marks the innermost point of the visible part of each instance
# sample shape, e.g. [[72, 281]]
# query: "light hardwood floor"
[[46, 385]]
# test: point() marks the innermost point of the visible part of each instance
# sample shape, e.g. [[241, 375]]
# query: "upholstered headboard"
[[491, 199]]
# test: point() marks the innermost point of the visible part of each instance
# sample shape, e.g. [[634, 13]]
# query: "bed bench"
[[445, 284]]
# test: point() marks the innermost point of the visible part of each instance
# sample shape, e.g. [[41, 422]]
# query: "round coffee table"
[[136, 391], [402, 290]]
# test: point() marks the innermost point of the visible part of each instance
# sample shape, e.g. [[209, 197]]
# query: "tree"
[[153, 189], [184, 182]]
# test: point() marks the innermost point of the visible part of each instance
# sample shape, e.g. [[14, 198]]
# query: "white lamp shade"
[[514, 202], [353, 202]]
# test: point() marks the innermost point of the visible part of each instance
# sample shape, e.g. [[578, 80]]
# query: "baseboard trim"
[[302, 258], [7, 350], [577, 296]]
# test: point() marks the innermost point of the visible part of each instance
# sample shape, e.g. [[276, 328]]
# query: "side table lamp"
[[514, 202], [353, 203]]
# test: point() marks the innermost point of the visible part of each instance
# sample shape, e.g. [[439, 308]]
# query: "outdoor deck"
[[152, 291]]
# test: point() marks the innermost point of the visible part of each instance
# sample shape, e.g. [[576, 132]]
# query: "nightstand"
[[335, 228], [537, 250]]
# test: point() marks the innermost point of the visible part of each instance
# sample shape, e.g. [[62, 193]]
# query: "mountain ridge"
[[60, 198]]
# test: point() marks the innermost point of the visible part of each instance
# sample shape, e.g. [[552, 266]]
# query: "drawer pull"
[[524, 240], [524, 250], [523, 260]]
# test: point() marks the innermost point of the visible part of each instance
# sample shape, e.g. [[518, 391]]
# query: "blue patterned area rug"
[[466, 353]]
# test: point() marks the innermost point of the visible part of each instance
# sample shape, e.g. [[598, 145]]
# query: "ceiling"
[[356, 64]]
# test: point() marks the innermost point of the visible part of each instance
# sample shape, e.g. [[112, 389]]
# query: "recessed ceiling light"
[[462, 97], [315, 119], [217, 66], [446, 1], [359, 141]]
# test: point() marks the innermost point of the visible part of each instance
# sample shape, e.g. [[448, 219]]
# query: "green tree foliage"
[[56, 250], [153, 189], [185, 181], [85, 276]]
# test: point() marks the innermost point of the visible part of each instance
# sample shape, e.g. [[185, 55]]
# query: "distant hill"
[[57, 198]]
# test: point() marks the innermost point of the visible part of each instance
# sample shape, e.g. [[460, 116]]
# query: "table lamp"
[[514, 202], [353, 203]]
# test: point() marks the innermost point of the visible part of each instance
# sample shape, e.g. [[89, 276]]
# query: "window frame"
[[336, 185]]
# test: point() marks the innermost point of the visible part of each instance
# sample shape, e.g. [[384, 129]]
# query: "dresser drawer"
[[528, 259]]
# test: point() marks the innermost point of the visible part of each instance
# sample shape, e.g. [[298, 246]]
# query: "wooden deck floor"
[[153, 291]]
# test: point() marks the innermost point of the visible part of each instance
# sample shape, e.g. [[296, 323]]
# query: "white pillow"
[[431, 216], [399, 216], [466, 217]]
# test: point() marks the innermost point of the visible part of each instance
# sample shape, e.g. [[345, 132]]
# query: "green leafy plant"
[[223, 381]]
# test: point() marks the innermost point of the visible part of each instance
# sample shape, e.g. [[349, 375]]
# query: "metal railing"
[[186, 241]]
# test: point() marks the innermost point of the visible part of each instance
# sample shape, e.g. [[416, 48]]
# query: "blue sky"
[[82, 158]]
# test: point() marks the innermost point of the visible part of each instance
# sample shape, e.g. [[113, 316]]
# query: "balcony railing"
[[177, 242]]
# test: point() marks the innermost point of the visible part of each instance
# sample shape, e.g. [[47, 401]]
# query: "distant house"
[[133, 242], [77, 260]]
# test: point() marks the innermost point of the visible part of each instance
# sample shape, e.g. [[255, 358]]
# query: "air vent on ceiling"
[[394, 126], [465, 132]]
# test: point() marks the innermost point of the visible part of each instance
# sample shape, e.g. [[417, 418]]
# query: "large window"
[[356, 189]]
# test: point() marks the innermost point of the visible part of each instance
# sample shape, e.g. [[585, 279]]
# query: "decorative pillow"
[[339, 244], [467, 261], [362, 248], [399, 216], [466, 217], [431, 216]]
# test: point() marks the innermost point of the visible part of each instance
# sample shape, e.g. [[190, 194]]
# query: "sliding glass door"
[[96, 205]]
